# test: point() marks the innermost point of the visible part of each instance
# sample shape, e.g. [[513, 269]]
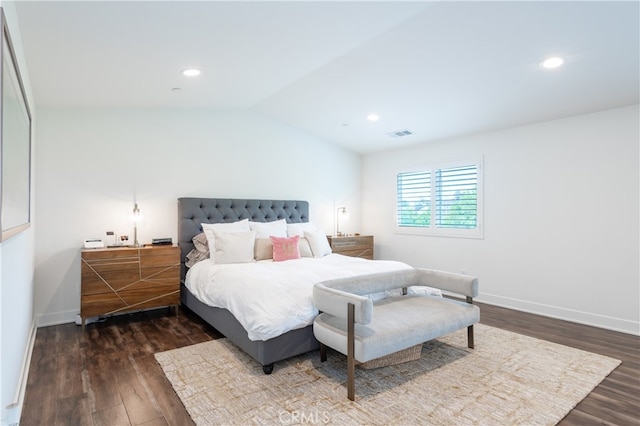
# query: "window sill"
[[476, 234]]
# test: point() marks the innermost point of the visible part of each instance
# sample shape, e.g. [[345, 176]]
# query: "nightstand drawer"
[[134, 299], [355, 246], [104, 277]]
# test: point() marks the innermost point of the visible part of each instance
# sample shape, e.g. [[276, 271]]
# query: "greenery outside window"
[[440, 199]]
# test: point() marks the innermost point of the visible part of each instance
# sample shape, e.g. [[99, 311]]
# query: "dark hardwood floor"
[[108, 375]]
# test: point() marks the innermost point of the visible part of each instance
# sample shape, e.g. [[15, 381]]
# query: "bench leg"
[[470, 343], [323, 352], [351, 359], [351, 372]]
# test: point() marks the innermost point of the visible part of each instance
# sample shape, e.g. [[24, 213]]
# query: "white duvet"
[[270, 298]]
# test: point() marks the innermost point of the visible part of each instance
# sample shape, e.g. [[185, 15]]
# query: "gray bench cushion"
[[397, 323]]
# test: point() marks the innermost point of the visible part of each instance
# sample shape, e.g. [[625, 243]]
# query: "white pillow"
[[210, 228], [304, 248], [319, 244], [263, 249], [234, 247], [276, 228], [299, 228]]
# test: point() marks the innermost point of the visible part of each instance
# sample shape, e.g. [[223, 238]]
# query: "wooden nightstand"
[[356, 246], [123, 279]]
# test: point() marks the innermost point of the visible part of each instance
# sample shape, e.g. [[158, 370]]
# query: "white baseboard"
[[586, 318], [18, 399], [66, 317], [56, 318]]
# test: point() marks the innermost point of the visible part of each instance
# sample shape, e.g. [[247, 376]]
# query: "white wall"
[[92, 163], [561, 217], [16, 281]]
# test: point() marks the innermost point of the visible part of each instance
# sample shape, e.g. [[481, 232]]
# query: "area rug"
[[508, 379]]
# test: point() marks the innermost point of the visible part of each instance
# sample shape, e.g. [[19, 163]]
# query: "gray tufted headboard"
[[194, 211]]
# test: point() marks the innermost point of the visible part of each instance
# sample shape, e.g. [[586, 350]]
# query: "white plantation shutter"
[[414, 198], [440, 199], [456, 197]]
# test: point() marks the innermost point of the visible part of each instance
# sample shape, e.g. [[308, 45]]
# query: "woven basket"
[[409, 354]]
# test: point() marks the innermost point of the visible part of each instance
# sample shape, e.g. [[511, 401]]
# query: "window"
[[441, 199]]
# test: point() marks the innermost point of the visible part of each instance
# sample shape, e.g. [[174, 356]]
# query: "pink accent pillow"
[[285, 248]]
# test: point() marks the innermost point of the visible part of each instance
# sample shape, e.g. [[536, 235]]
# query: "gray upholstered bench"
[[354, 325]]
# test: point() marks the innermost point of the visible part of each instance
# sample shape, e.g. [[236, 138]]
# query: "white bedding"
[[270, 298]]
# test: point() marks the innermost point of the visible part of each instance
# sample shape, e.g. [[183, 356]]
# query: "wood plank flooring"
[[108, 375]]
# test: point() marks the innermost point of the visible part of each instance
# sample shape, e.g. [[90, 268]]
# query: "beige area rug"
[[508, 379]]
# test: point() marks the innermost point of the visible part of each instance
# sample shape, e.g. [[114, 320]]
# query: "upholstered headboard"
[[192, 212]]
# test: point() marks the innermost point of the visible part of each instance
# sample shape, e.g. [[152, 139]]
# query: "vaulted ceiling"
[[438, 69]]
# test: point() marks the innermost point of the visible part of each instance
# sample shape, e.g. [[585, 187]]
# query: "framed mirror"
[[15, 143]]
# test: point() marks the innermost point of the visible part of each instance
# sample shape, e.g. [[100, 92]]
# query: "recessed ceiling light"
[[373, 117], [191, 72], [553, 62]]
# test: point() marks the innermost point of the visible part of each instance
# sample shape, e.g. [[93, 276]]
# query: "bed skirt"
[[266, 352]]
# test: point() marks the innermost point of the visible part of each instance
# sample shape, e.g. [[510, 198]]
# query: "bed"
[[192, 214]]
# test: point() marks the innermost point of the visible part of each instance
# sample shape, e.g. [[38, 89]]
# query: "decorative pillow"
[[304, 247], [210, 228], [299, 228], [200, 241], [195, 256], [234, 247], [285, 248], [276, 228], [319, 244], [263, 249]]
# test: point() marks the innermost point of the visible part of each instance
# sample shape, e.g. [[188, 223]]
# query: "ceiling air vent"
[[400, 133]]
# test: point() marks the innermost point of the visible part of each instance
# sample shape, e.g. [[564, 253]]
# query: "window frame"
[[433, 229]]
